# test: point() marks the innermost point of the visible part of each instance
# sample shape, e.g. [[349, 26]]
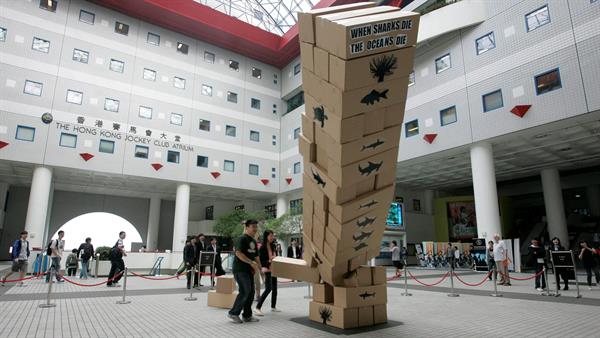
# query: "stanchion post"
[[308, 295], [406, 283], [124, 301], [575, 274], [96, 265], [452, 293], [547, 292], [495, 281], [48, 304], [191, 296]]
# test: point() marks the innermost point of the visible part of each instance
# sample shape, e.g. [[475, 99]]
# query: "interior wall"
[[14, 219]]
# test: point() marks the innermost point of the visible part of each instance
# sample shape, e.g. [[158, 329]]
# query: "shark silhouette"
[[320, 115], [360, 246], [318, 178], [373, 145], [374, 96], [382, 66], [363, 235], [368, 204], [365, 222], [368, 170], [366, 295]]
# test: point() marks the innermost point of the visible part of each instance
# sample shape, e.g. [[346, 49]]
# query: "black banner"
[[480, 254]]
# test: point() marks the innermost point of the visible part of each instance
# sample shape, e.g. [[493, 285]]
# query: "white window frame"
[[64, 136], [176, 119], [3, 34], [207, 90], [229, 162], [257, 133], [411, 78], [126, 33], [230, 127], [200, 125], [116, 66], [169, 152], [253, 166], [485, 109], [77, 55], [143, 110], [178, 82], [534, 15], [202, 166], [155, 41], [33, 88], [111, 143], [74, 97], [447, 110], [93, 16], [180, 48], [442, 67], [209, 57], [108, 103], [146, 151], [258, 73], [234, 95], [297, 132], [407, 131], [299, 167], [21, 137], [149, 74], [234, 63], [35, 45], [252, 105], [490, 37]]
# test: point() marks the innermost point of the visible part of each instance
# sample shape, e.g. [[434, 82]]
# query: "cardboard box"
[[355, 263], [365, 35], [328, 314], [370, 70], [321, 63], [318, 233], [311, 188], [225, 284], [349, 297], [385, 178], [365, 316], [379, 314], [364, 204], [365, 187], [306, 19], [296, 269], [308, 127], [393, 115], [332, 274], [345, 104], [359, 240], [307, 149], [378, 274], [221, 300], [336, 195], [378, 164], [353, 14], [307, 215], [323, 293], [322, 158], [342, 131], [307, 57], [308, 254], [347, 232], [360, 276]]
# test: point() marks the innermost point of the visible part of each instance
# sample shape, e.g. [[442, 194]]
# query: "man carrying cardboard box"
[[245, 264]]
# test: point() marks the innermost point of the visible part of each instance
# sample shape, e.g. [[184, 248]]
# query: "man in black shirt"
[[245, 265], [200, 247]]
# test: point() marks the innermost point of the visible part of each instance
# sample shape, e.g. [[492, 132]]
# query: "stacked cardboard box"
[[225, 294]]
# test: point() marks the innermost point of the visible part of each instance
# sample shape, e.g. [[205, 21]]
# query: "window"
[[411, 78], [172, 156], [416, 205], [87, 17], [176, 119], [547, 82], [116, 66], [111, 105], [273, 173], [33, 88], [232, 97], [411, 128], [274, 140], [49, 5], [81, 55], [202, 161], [2, 34], [204, 125], [297, 168], [228, 166], [74, 97], [295, 101], [234, 65], [206, 90], [107, 146], [254, 136], [442, 63], [182, 48], [145, 112], [41, 45], [209, 57], [492, 100], [274, 109], [257, 73], [296, 133], [153, 39], [271, 210], [141, 151], [68, 140], [230, 131], [537, 18], [255, 103], [25, 133], [149, 74], [485, 43], [297, 69], [178, 82], [253, 169], [121, 28], [448, 115], [296, 206], [209, 212]]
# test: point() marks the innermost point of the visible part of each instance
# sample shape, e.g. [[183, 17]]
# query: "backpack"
[[48, 249], [86, 251], [115, 253]]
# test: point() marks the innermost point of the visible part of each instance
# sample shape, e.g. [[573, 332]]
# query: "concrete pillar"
[[428, 196], [555, 208], [282, 205], [3, 191], [593, 197], [37, 208], [180, 224], [485, 190], [153, 224]]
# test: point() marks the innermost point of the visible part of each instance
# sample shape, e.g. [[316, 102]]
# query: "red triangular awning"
[[3, 144], [156, 166], [264, 181], [429, 138], [520, 110], [288, 180], [86, 156], [215, 174]]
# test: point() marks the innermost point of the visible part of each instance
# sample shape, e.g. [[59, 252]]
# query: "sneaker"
[[540, 289], [235, 319], [60, 281], [258, 312], [507, 284], [274, 309], [251, 320]]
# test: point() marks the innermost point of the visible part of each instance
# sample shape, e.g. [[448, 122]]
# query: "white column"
[[180, 224], [485, 191], [153, 223], [428, 201], [593, 197], [555, 209], [282, 205], [37, 209]]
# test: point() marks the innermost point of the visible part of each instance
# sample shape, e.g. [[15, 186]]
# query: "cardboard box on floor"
[[322, 293], [306, 25], [328, 314], [221, 300], [349, 297], [296, 269], [365, 35], [379, 314], [365, 316], [225, 284]]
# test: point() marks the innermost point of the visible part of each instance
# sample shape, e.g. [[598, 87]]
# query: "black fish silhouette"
[[382, 66], [368, 170], [365, 222], [373, 145], [363, 235], [360, 246], [368, 204], [320, 115], [374, 96], [325, 314], [318, 178], [366, 295]]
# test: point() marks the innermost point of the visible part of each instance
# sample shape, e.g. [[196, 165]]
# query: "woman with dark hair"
[[587, 256], [267, 252], [396, 257], [559, 272]]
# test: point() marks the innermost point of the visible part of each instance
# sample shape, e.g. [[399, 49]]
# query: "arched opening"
[[102, 227]]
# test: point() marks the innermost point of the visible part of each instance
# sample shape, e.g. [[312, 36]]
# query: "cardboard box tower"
[[356, 60]]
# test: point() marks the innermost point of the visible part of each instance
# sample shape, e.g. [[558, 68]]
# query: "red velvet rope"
[[425, 284], [22, 279], [96, 284], [472, 284], [527, 278]]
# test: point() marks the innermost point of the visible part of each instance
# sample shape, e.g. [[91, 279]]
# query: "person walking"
[[267, 252], [396, 262], [117, 265], [189, 258], [257, 276], [200, 247], [71, 263], [450, 256], [490, 260], [218, 270], [245, 264], [559, 272], [85, 252], [20, 256], [587, 257], [537, 259], [56, 250], [294, 251], [501, 260]]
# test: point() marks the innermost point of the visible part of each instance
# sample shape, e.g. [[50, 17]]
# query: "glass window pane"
[[412, 128], [205, 125], [74, 97], [234, 65], [254, 136], [107, 146], [232, 97], [145, 112], [121, 28], [297, 168], [149, 74], [209, 57], [485, 43], [117, 66], [87, 17], [202, 161], [229, 166], [2, 34], [173, 156], [230, 131], [206, 90], [41, 45], [257, 73], [537, 18], [80, 56], [176, 119], [111, 105], [68, 140], [411, 78], [141, 151], [182, 48], [492, 101], [443, 63], [255, 103], [548, 82], [25, 133], [178, 82], [33, 88], [253, 169], [153, 39], [448, 115]]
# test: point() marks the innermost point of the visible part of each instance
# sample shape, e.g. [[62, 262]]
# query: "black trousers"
[[243, 301], [541, 277], [198, 276], [589, 270], [71, 271], [560, 272], [270, 287], [116, 266]]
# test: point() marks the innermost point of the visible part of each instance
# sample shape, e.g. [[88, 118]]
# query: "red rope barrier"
[[472, 284], [395, 277], [425, 284], [21, 279], [527, 278], [96, 284]]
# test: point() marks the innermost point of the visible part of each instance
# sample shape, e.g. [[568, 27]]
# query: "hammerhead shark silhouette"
[[372, 145], [365, 222], [368, 170]]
